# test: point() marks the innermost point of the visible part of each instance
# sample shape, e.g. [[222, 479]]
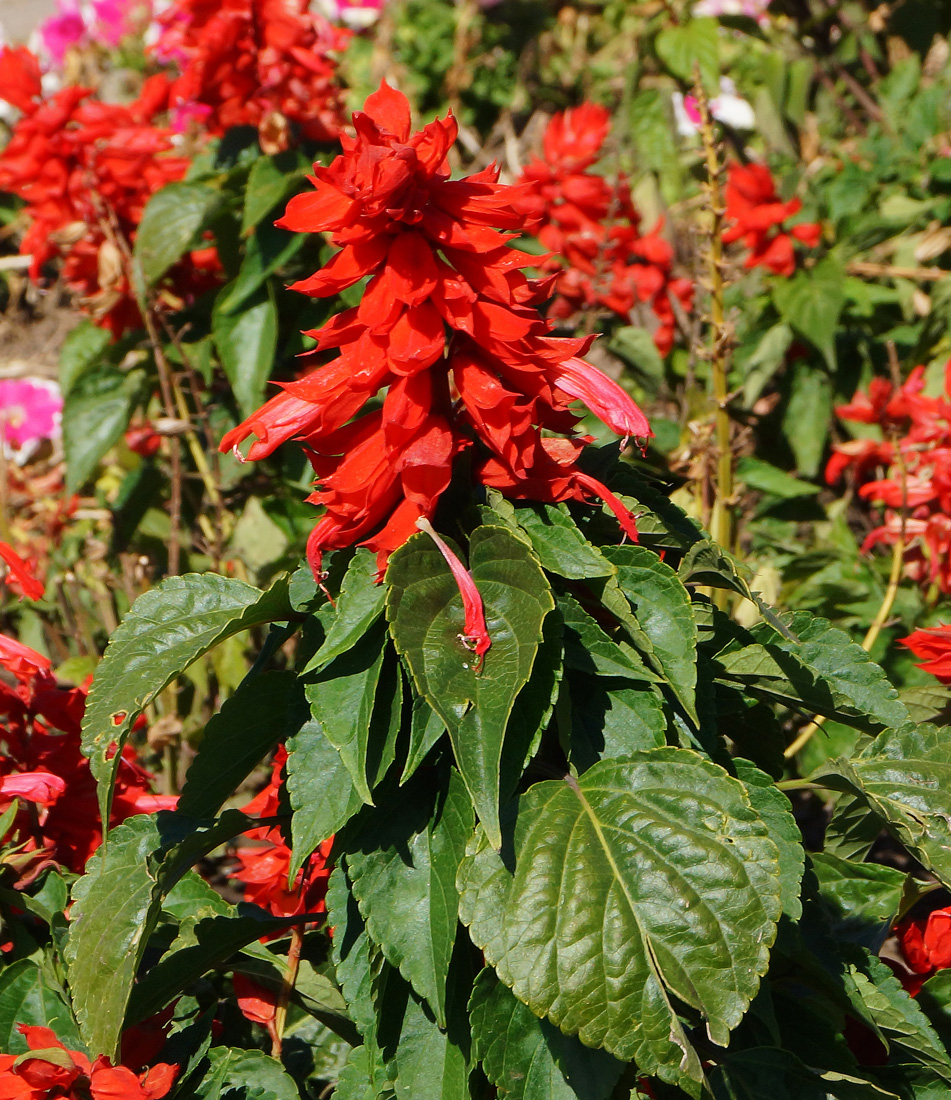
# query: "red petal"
[[317, 211], [411, 268], [389, 109], [346, 267], [417, 339]]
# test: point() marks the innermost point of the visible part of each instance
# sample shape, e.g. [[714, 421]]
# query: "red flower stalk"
[[756, 215], [85, 170], [21, 573], [600, 258], [475, 635], [55, 1071], [916, 460], [446, 326], [41, 761], [263, 63]]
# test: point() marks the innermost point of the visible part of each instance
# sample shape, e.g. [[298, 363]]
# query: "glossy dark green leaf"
[[359, 605], [426, 618], [430, 1061], [706, 563], [662, 607], [559, 544], [165, 630], [610, 719], [426, 727], [246, 342], [243, 1075], [530, 1059], [404, 876], [270, 180], [28, 995], [589, 649], [268, 249], [646, 882], [170, 226], [859, 894], [321, 791], [96, 412], [780, 1075], [236, 740]]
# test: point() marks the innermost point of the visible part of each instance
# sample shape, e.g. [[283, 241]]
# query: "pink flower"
[[40, 787], [755, 9], [30, 412], [61, 31]]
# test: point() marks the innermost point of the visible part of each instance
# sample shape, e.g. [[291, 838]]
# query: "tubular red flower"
[[475, 634], [21, 573], [603, 396]]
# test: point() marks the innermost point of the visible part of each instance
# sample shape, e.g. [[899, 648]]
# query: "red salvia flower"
[[447, 326], [475, 635], [925, 944], [933, 644], [756, 215], [592, 227], [21, 573], [56, 1071]]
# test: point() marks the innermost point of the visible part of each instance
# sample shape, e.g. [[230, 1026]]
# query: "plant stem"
[[287, 987], [721, 521]]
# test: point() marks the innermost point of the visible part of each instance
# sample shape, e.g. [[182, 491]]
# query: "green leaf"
[[84, 348], [115, 906], [707, 563], [404, 879], [270, 180], [663, 610], [247, 343], [637, 348], [426, 727], [589, 649], [810, 402], [859, 894], [359, 605], [609, 720], [236, 740], [780, 1075], [774, 808], [904, 779], [530, 1059], [927, 703], [95, 414], [690, 45], [245, 1074], [344, 702], [321, 791], [646, 882], [559, 545], [426, 617], [268, 249], [165, 630], [355, 1081], [430, 1062], [170, 226], [766, 478], [811, 301], [29, 996]]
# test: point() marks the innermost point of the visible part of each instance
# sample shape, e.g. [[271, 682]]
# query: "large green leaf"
[[560, 546], [85, 347], [404, 879], [165, 630], [348, 704], [864, 898], [270, 180], [247, 341], [903, 778], [530, 1059], [811, 302], [359, 605], [646, 882], [426, 618], [28, 995], [780, 1075], [239, 1073], [236, 740], [321, 791], [170, 225], [589, 649], [611, 719], [95, 414], [663, 610], [430, 1062]]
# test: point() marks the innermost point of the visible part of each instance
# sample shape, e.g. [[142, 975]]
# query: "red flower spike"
[[475, 636], [447, 313]]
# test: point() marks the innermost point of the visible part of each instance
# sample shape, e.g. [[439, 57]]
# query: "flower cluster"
[[51, 1070], [41, 762], [85, 170], [75, 25], [600, 258], [925, 944], [263, 866], [916, 457], [263, 63], [447, 327], [756, 215]]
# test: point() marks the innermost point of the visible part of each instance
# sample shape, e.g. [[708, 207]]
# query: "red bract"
[[20, 573], [925, 944], [56, 1071], [85, 170], [916, 460], [263, 63], [933, 644], [493, 383], [592, 226], [756, 215], [41, 760]]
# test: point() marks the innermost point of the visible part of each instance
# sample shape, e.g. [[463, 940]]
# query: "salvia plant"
[[551, 802]]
